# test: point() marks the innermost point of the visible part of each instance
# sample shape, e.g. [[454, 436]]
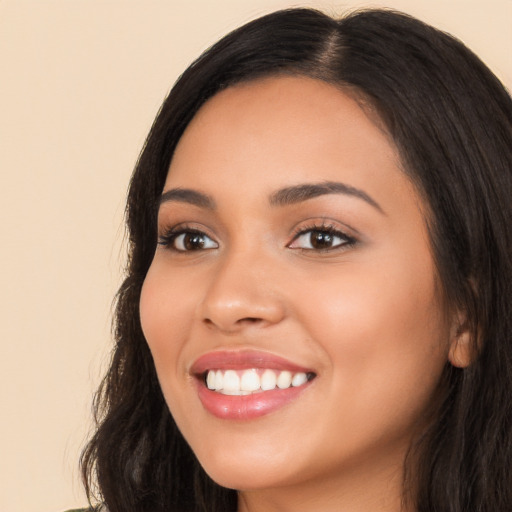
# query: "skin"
[[367, 317]]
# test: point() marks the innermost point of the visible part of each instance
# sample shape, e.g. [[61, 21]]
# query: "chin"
[[240, 481], [247, 469]]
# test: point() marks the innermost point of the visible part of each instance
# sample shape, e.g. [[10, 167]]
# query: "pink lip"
[[245, 407], [243, 360]]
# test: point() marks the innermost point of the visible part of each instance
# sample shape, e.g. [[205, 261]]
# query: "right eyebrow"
[[190, 196]]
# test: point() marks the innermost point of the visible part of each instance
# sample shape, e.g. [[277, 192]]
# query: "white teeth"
[[284, 381], [250, 381], [231, 382], [268, 380], [210, 380], [299, 379], [219, 380]]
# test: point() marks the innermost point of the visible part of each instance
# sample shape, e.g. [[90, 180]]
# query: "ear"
[[462, 348]]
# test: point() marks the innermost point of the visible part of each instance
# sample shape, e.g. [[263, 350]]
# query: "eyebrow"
[[283, 197], [300, 193], [187, 195]]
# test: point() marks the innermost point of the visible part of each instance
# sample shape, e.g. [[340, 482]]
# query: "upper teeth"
[[231, 382]]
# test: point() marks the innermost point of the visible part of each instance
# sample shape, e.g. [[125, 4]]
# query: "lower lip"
[[247, 407]]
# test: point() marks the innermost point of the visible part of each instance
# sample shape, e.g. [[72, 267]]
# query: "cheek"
[[165, 320], [383, 333], [165, 312], [360, 299]]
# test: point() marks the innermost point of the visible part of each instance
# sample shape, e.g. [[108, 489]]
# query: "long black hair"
[[451, 120]]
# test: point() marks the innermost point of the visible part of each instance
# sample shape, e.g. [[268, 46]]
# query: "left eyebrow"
[[298, 193]]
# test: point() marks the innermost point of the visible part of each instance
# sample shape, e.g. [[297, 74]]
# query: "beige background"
[[80, 82]]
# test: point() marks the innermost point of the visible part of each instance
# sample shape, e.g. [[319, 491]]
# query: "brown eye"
[[321, 240], [187, 241], [190, 242]]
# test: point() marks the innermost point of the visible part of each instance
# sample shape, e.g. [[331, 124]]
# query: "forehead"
[[280, 131]]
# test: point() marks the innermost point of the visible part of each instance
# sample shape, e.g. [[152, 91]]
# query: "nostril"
[[235, 326]]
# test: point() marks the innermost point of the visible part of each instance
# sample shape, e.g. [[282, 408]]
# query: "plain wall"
[[80, 83]]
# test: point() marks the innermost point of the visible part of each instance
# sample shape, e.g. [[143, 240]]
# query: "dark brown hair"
[[451, 120]]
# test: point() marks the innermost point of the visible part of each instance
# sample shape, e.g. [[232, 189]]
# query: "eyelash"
[[323, 228], [168, 239]]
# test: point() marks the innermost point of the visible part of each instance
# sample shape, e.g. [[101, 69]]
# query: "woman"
[[317, 309]]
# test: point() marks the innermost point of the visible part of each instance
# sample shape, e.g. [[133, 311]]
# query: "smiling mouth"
[[243, 385], [253, 380]]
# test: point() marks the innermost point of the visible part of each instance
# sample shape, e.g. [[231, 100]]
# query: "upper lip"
[[243, 360]]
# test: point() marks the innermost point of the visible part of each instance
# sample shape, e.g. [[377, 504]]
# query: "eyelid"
[[323, 226], [168, 235]]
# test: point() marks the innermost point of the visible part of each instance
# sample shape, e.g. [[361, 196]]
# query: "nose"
[[242, 293]]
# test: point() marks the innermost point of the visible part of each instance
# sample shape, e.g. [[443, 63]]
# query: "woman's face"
[[292, 246]]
